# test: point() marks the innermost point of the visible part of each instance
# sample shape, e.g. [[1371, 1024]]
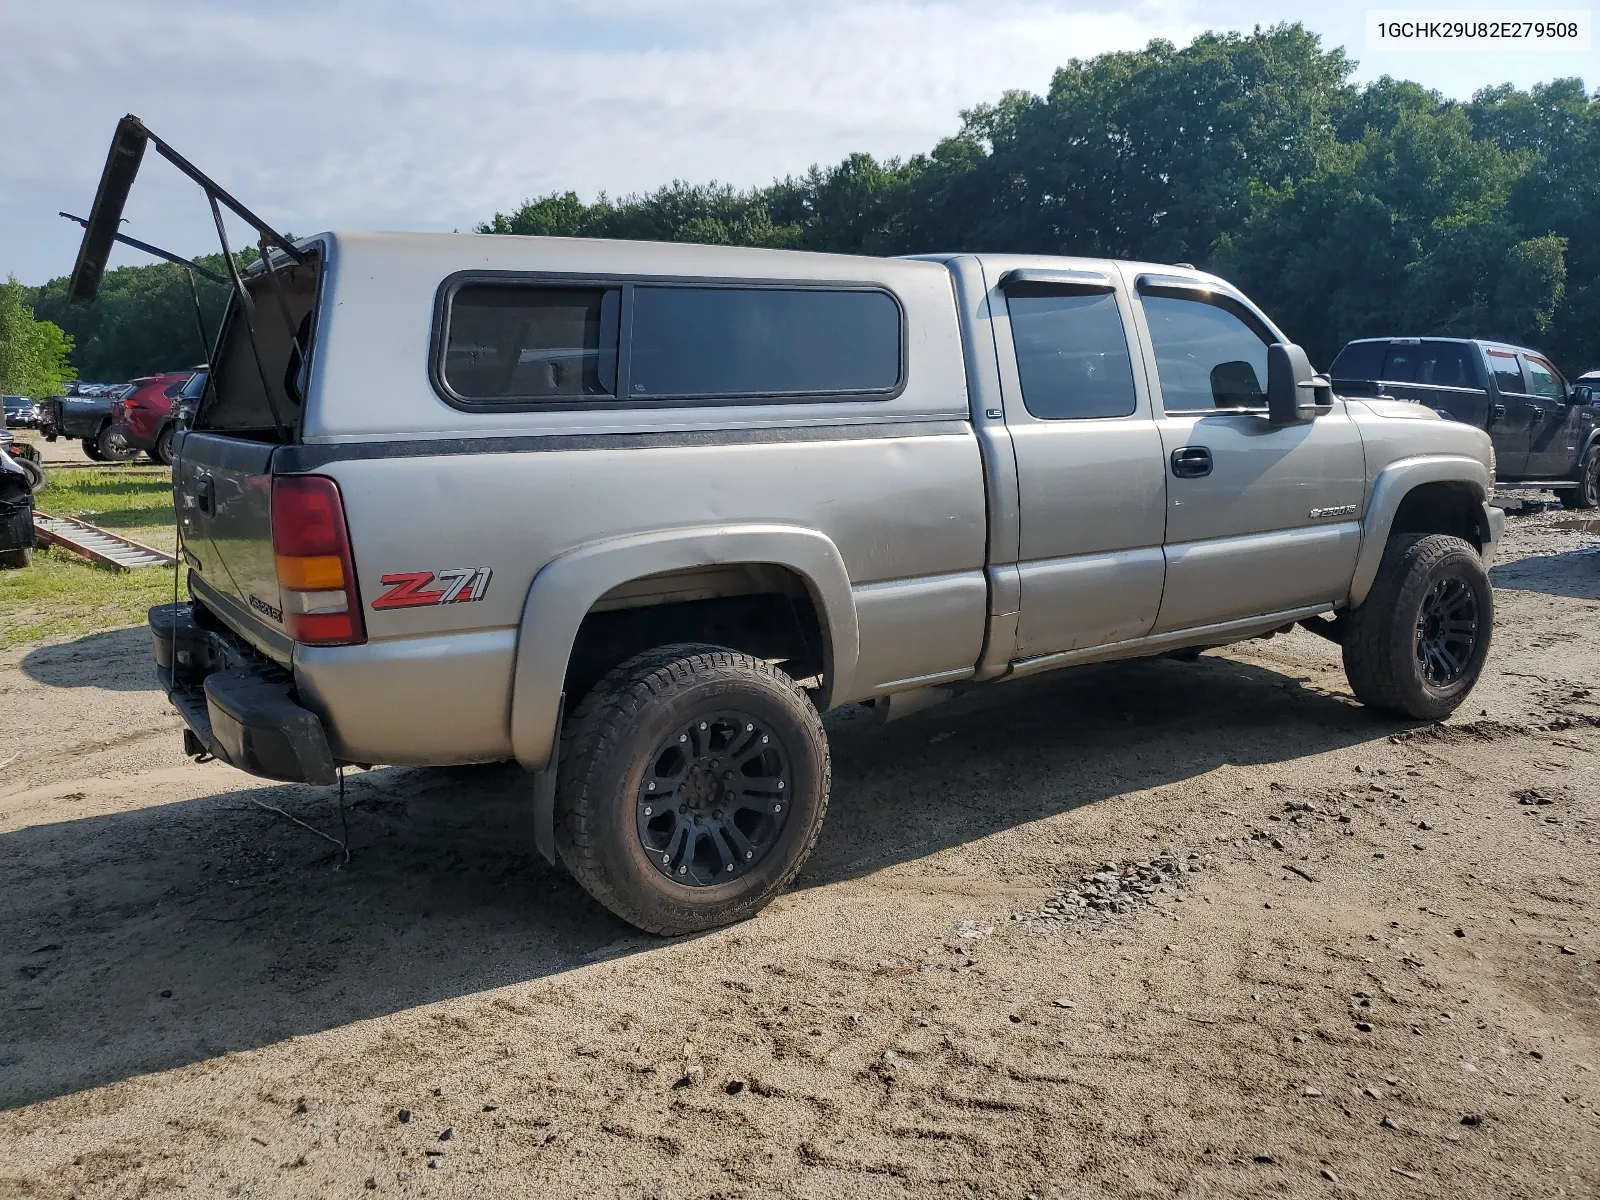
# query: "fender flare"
[[1394, 483], [566, 588]]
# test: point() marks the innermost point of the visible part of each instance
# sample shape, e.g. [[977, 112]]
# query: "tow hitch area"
[[238, 705]]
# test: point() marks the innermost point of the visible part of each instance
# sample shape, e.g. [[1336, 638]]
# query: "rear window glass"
[[1072, 355], [1443, 364], [744, 341], [1358, 360], [1507, 373], [532, 343]]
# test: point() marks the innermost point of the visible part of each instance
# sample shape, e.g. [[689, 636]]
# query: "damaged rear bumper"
[[238, 704]]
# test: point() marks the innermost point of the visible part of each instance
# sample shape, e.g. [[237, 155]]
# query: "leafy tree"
[[34, 354], [143, 321]]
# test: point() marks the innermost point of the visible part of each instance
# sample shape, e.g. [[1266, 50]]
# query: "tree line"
[[1344, 210], [35, 355]]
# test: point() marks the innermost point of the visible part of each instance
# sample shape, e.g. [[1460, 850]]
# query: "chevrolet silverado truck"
[[1545, 431], [634, 515]]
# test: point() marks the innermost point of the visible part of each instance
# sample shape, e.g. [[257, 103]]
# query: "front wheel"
[[1416, 645], [692, 786], [1587, 493]]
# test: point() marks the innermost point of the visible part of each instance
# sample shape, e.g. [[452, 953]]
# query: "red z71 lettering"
[[406, 588]]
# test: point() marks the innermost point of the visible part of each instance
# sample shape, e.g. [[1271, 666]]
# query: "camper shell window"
[[509, 342]]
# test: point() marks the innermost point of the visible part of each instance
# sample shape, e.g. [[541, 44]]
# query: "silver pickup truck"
[[634, 515]]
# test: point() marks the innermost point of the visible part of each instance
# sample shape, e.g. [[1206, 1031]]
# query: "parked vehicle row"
[[114, 423], [1545, 431], [20, 412]]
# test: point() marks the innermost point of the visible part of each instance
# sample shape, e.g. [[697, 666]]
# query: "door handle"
[[1191, 462], [1498, 412], [205, 494]]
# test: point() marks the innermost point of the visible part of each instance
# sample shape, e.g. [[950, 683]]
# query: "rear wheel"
[[91, 447], [12, 559], [113, 447], [1416, 646], [692, 786], [1587, 493], [162, 452]]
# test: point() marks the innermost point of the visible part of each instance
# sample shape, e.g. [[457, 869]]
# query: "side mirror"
[[1296, 395], [1583, 394]]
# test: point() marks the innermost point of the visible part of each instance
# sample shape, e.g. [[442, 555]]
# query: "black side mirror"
[[1583, 394], [1296, 394]]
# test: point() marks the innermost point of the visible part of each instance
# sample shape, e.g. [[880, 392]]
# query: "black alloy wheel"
[[1416, 645], [714, 799], [1447, 632], [693, 782]]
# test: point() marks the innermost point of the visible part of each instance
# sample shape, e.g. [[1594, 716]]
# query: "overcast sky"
[[411, 115]]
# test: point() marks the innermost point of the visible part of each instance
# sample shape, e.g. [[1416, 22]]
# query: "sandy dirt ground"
[[1376, 974]]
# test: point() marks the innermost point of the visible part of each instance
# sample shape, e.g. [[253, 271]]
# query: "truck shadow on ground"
[[1574, 574], [162, 936], [118, 659]]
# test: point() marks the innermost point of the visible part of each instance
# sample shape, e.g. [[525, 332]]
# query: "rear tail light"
[[316, 577]]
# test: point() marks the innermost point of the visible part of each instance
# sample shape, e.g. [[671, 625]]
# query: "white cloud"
[[435, 117], [425, 115]]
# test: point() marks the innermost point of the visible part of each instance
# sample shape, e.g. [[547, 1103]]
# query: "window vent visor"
[[316, 576]]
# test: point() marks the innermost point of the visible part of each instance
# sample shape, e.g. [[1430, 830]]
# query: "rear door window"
[[732, 342], [1072, 354], [1507, 373]]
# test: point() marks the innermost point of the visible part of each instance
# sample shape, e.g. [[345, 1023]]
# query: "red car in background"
[[143, 420]]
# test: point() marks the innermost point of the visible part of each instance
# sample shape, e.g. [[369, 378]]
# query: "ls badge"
[[410, 589]]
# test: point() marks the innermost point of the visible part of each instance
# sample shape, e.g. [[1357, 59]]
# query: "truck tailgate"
[[223, 489]]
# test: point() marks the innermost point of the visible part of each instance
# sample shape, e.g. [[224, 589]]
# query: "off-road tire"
[[162, 451], [1587, 493], [615, 735], [13, 559], [110, 447], [37, 479], [91, 448], [1381, 636]]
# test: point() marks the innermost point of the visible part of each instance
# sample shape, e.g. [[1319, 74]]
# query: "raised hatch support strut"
[[190, 270], [101, 231]]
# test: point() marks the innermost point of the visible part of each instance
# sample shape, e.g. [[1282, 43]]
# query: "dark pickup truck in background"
[[87, 419], [1546, 432]]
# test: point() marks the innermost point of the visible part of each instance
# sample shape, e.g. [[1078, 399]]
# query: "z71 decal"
[[411, 589]]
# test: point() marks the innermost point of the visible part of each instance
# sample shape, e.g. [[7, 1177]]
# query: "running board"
[[99, 546]]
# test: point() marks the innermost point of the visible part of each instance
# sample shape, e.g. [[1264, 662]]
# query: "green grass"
[[133, 501], [62, 595]]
